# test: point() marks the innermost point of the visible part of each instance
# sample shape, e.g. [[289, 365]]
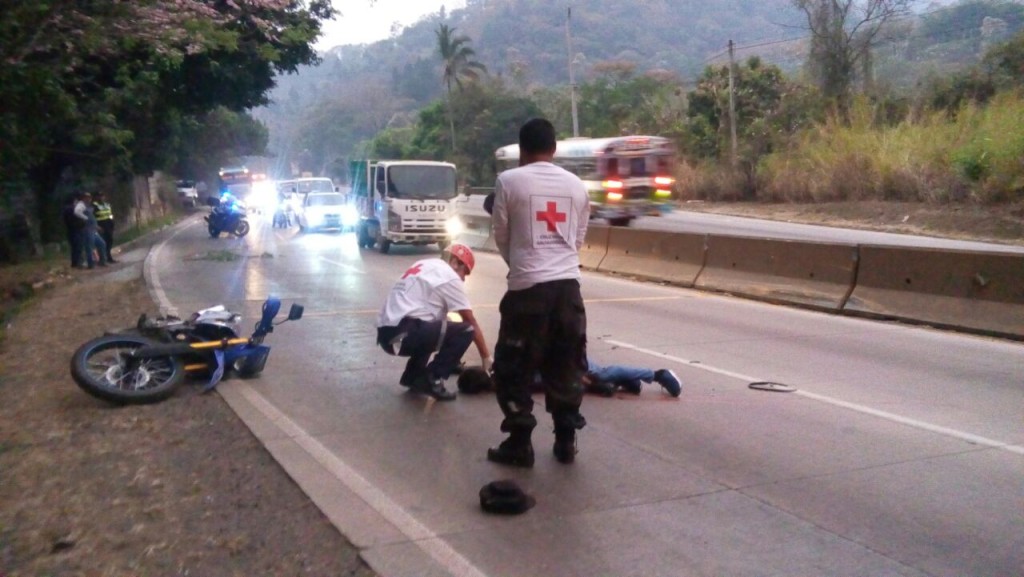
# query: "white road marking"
[[152, 274], [962, 435], [408, 525]]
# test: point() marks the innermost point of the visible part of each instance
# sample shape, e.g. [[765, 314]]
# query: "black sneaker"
[[513, 454], [669, 381], [432, 387]]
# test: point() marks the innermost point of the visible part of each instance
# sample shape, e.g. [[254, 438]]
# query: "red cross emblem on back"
[[551, 216], [412, 271]]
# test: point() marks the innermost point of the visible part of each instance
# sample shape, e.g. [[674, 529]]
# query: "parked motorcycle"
[[228, 215], [146, 363]]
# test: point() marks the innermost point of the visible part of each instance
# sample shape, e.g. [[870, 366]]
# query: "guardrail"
[[971, 291]]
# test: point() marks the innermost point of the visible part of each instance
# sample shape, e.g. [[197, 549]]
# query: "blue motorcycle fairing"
[[226, 358]]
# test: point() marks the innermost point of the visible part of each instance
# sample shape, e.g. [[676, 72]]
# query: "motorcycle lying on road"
[[146, 363], [228, 215]]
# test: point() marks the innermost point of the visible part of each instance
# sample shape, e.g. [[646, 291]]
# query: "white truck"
[[405, 202]]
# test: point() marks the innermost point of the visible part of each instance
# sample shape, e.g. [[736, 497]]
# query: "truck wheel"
[[384, 246], [624, 221]]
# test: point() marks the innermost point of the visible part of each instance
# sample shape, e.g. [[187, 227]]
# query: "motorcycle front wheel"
[[101, 368], [242, 229]]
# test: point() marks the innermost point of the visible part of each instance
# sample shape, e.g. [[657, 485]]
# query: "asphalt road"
[[899, 453]]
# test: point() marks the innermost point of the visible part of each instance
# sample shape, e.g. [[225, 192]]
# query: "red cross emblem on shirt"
[[551, 216], [412, 271]]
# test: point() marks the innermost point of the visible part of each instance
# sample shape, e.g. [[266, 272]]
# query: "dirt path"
[[176, 488]]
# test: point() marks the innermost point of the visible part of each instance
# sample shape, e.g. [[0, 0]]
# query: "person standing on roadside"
[[539, 220], [105, 221], [89, 236], [414, 321], [73, 226]]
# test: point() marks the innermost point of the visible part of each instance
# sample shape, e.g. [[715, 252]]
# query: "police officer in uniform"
[[105, 222], [539, 220], [414, 321]]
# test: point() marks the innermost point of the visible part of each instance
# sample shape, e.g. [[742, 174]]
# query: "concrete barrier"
[[595, 246], [814, 275], [669, 256], [972, 290]]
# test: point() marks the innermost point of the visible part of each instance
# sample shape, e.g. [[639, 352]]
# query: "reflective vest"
[[103, 211]]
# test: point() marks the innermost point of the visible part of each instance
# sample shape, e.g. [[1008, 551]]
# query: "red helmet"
[[464, 254]]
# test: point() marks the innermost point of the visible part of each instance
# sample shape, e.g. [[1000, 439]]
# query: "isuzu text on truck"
[[405, 202]]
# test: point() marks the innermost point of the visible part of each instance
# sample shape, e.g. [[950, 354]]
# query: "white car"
[[188, 194], [323, 210]]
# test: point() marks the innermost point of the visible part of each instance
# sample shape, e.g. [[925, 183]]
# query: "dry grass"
[[977, 156]]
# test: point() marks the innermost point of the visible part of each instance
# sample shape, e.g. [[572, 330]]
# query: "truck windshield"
[[307, 186], [421, 182]]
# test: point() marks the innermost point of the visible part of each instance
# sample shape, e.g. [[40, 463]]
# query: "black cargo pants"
[[543, 331]]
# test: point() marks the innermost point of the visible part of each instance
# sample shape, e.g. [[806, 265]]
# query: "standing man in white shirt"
[[539, 220], [414, 321]]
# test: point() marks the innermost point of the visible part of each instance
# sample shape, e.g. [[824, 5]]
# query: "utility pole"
[[572, 76], [732, 107]]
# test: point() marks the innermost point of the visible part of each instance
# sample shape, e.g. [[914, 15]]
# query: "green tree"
[[108, 87], [1004, 63], [618, 102], [769, 108], [998, 70], [459, 65], [490, 118]]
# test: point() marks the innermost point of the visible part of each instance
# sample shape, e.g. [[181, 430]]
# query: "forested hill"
[[528, 37], [523, 41]]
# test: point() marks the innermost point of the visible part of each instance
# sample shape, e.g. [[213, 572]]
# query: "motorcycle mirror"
[[295, 313]]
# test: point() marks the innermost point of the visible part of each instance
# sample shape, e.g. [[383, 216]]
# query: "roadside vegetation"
[[972, 155]]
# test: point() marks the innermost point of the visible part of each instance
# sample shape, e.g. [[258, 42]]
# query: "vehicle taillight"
[[612, 184], [664, 181], [614, 195]]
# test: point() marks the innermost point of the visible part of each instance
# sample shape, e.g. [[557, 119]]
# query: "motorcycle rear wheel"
[[214, 231], [99, 368], [242, 229]]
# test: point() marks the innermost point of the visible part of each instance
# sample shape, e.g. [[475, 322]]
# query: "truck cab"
[[405, 202]]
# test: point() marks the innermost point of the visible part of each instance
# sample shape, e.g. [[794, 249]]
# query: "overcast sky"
[[360, 23]]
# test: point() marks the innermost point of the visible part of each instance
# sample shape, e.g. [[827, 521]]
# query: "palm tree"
[[459, 65]]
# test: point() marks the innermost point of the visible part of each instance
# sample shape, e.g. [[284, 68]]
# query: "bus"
[[625, 176], [237, 181]]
